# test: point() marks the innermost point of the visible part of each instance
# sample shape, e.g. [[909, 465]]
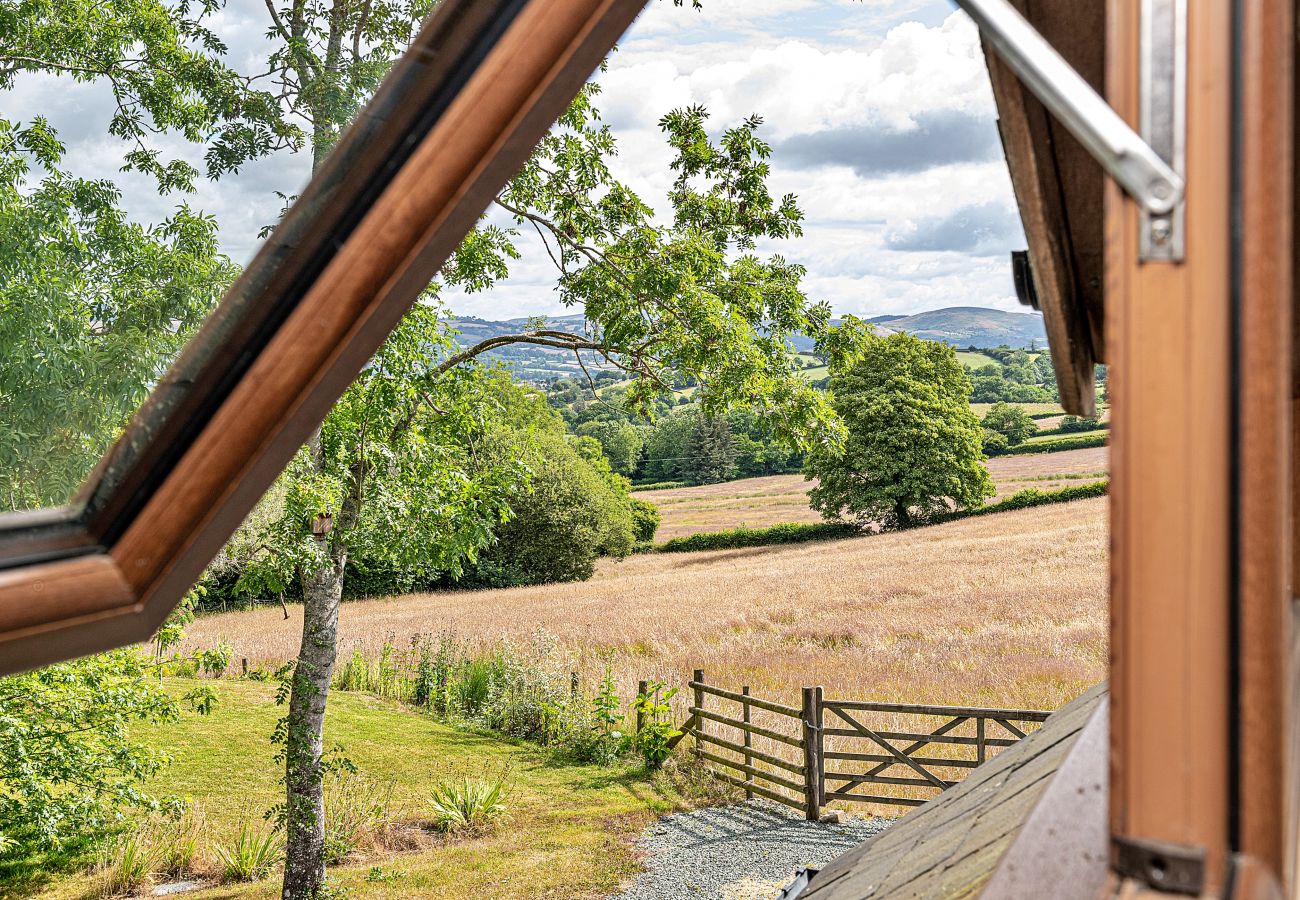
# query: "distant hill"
[[971, 326], [959, 326]]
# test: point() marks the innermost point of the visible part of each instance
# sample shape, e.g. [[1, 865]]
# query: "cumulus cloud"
[[985, 229], [880, 116], [935, 139]]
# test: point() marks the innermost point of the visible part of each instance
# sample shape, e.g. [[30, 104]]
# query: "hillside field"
[[774, 499], [1003, 610]]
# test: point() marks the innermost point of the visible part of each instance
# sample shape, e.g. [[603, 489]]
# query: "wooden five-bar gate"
[[843, 750]]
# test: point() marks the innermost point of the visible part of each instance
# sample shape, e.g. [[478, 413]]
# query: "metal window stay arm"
[[1120, 150]]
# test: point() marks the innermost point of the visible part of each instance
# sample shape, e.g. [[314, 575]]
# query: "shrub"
[[1009, 421], [656, 726], [645, 519], [251, 857], [660, 486], [357, 812], [995, 443], [797, 533], [573, 514], [178, 841], [1076, 424], [468, 804], [130, 865], [1082, 442]]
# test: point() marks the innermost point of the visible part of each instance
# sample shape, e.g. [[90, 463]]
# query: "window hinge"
[[1175, 868], [1147, 166]]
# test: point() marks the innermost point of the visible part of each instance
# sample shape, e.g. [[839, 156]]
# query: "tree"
[[620, 440], [93, 308], [1012, 422], [572, 514], [69, 769], [914, 444], [687, 298], [710, 452], [166, 71]]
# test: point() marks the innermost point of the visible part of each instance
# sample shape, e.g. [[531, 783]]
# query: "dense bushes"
[[645, 519], [573, 514], [1077, 424], [734, 538]]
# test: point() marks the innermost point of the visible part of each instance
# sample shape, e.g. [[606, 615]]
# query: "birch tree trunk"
[[304, 865]]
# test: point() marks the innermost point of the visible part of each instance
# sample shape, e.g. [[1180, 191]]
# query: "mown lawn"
[[569, 835]]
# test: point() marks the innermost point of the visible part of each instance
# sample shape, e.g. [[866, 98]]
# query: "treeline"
[[670, 440]]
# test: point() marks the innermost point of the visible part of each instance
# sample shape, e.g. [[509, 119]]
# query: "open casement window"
[[454, 120]]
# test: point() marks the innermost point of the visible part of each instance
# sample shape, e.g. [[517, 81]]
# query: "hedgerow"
[[1082, 442], [797, 533]]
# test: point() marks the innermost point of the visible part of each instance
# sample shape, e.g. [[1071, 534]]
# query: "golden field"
[[1004, 610], [774, 499]]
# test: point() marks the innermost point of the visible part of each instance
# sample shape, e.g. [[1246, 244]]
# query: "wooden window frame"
[[452, 123]]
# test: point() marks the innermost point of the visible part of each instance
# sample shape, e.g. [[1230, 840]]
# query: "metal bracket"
[[1176, 868], [1163, 115], [1138, 167]]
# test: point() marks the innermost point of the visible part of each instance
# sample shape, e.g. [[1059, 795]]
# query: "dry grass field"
[[1004, 610], [774, 499]]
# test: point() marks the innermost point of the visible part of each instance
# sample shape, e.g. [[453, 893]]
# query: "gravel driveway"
[[744, 852]]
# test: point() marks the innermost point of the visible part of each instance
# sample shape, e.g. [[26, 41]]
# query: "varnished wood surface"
[[1169, 332], [1058, 189], [1264, 432]]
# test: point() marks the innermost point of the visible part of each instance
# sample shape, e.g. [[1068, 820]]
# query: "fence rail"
[[845, 748]]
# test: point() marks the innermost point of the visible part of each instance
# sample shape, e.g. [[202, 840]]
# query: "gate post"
[[642, 688], [812, 752], [749, 740], [698, 677]]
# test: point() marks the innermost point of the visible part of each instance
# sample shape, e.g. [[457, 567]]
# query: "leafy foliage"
[[468, 804], [165, 67], [93, 308], [645, 519], [1012, 422], [570, 516], [251, 856], [68, 766], [914, 445], [655, 713]]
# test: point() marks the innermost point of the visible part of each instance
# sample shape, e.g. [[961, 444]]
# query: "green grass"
[[570, 828], [973, 360], [1033, 410]]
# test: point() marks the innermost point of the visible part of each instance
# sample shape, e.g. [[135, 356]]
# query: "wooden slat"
[[752, 729], [758, 789], [872, 798], [917, 736], [752, 771], [883, 779], [757, 754], [687, 728], [769, 705], [880, 757], [968, 712], [902, 757]]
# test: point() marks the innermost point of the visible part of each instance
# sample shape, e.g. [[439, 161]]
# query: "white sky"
[[879, 112]]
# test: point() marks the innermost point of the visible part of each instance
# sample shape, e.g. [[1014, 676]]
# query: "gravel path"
[[744, 852]]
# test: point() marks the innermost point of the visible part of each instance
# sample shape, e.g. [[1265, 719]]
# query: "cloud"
[[983, 230], [937, 138]]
